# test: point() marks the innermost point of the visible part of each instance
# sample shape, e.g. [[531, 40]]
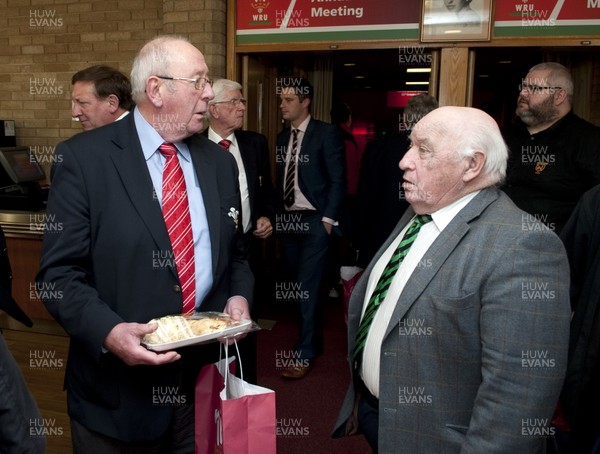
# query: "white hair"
[[469, 130], [220, 88], [154, 59]]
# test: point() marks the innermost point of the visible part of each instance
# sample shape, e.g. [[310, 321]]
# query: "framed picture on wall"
[[456, 20]]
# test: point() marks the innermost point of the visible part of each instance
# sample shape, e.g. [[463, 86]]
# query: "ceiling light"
[[417, 83], [418, 70]]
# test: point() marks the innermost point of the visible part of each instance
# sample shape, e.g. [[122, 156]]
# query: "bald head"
[[467, 130], [454, 151]]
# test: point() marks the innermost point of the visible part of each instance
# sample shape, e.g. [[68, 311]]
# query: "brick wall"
[[42, 43]]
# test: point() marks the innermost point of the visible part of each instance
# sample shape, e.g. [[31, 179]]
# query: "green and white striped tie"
[[384, 283]]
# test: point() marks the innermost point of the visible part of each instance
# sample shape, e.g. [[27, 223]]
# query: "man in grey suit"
[[467, 350]]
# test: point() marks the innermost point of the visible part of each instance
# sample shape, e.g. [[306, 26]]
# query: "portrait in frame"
[[456, 20]]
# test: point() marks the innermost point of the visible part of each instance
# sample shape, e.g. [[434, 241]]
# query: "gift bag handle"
[[226, 375]]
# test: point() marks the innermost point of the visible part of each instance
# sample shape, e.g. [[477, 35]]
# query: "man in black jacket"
[[581, 394], [18, 411], [553, 153]]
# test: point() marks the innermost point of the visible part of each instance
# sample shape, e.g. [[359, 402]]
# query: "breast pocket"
[[456, 321]]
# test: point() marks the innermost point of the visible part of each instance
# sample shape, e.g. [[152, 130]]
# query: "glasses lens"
[[201, 82]]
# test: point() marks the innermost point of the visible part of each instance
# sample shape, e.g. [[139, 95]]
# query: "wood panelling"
[[24, 256], [454, 70]]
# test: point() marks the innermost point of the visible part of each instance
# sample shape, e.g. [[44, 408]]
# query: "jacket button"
[[177, 288]]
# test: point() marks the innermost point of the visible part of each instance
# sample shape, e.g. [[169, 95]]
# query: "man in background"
[[251, 152], [579, 432], [381, 201], [19, 414], [99, 96], [448, 323], [554, 153], [311, 185]]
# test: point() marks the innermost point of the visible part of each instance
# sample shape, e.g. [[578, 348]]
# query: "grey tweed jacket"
[[483, 371]]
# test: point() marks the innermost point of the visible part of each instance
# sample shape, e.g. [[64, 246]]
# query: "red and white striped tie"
[[176, 212]]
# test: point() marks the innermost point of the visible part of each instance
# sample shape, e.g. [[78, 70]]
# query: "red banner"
[[295, 14], [525, 11]]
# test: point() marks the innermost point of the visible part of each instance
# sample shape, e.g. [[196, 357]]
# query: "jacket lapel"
[[249, 158], [128, 159], [207, 179], [438, 252]]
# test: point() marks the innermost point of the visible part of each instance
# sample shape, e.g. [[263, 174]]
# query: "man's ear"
[[560, 97], [214, 112], [113, 103], [153, 93], [474, 166]]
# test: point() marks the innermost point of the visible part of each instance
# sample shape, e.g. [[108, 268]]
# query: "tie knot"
[[225, 144], [295, 133], [168, 149], [422, 219]]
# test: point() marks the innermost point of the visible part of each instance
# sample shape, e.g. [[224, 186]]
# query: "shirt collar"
[[216, 138], [302, 126], [443, 216], [150, 139]]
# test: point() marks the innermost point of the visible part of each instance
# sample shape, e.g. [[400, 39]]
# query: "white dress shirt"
[[427, 235]]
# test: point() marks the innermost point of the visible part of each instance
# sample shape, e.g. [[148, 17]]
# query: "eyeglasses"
[[535, 89], [199, 83], [234, 102]]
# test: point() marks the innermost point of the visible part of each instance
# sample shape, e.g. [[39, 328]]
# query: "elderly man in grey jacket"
[[459, 345]]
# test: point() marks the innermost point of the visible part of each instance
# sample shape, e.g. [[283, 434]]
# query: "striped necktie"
[[384, 283], [288, 192], [176, 212]]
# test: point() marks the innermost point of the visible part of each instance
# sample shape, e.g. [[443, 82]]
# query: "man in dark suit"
[[380, 198], [114, 264], [580, 398], [99, 96], [458, 332], [311, 185], [19, 413], [251, 152]]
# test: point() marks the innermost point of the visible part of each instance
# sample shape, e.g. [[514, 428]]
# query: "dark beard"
[[541, 114]]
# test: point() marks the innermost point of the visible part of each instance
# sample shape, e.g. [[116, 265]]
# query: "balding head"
[[171, 88], [455, 151]]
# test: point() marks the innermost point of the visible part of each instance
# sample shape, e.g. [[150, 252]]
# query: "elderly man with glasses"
[[149, 221], [555, 155]]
